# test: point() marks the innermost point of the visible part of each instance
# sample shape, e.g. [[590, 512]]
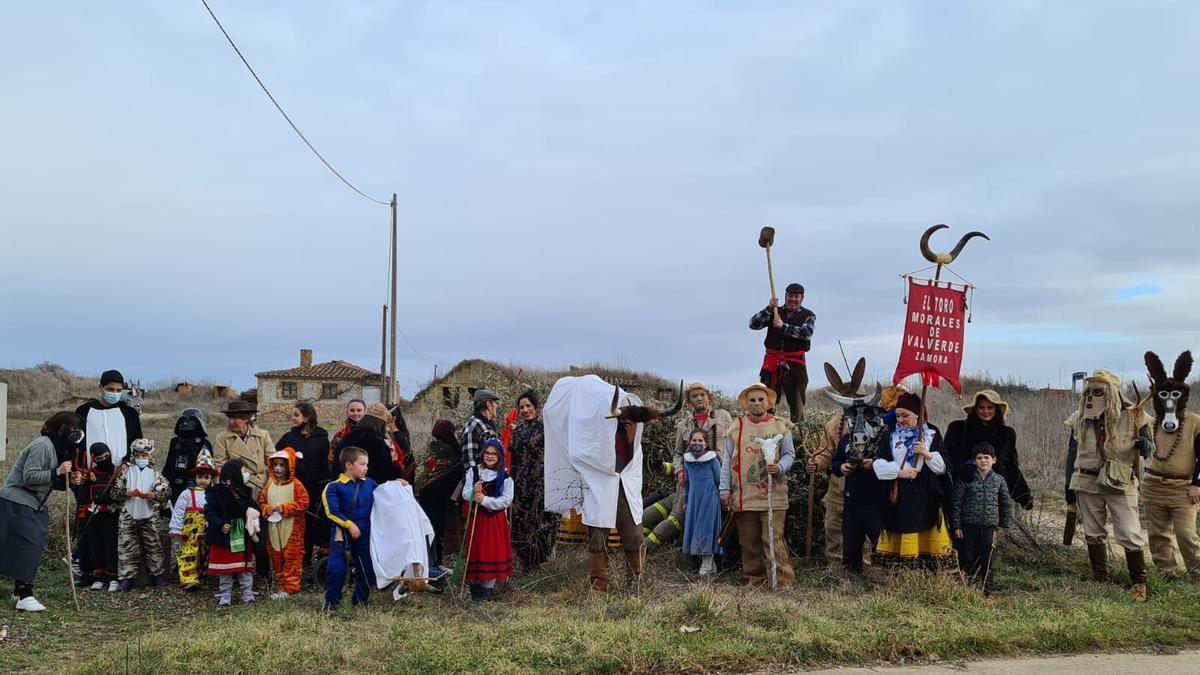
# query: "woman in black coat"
[[985, 422], [311, 444], [371, 435]]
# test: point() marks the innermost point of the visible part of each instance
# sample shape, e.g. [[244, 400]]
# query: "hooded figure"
[[226, 505], [1108, 434], [191, 435], [594, 459], [284, 502]]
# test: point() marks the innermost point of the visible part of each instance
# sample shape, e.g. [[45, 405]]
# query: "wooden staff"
[[812, 485], [67, 520], [766, 238]]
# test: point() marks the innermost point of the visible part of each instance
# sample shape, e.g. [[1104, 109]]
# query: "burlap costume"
[[744, 479]]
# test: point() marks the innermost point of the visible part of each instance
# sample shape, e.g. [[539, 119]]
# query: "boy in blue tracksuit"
[[348, 502]]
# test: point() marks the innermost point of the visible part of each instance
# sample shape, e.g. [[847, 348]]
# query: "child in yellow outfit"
[[187, 521]]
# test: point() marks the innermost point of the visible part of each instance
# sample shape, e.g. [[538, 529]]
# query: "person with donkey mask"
[[1171, 486]]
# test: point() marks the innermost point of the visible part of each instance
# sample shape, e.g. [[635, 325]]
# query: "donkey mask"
[[862, 417], [1170, 394]]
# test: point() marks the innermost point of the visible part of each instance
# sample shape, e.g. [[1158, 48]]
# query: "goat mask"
[[1170, 394]]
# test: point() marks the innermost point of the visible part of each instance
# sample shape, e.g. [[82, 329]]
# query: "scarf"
[[909, 438]]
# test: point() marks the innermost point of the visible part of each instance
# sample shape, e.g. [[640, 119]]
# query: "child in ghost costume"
[[284, 502], [400, 538], [141, 492]]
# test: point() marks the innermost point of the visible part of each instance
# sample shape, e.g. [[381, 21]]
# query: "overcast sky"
[[585, 181]]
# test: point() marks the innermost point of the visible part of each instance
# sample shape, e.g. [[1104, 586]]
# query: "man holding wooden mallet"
[[789, 336]]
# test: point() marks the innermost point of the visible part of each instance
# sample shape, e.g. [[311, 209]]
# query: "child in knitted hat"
[[187, 521]]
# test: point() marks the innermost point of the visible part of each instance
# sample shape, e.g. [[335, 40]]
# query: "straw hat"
[[990, 395], [743, 397]]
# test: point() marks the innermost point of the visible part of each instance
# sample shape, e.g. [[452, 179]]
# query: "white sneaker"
[[97, 586], [280, 595], [114, 586], [707, 566], [30, 604]]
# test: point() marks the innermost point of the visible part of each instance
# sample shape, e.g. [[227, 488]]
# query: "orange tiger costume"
[[285, 538]]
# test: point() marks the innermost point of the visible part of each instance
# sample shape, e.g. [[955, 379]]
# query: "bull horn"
[[616, 396], [844, 401], [673, 409], [874, 400], [946, 258]]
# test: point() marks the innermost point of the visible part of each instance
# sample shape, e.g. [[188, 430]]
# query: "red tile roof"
[[332, 370]]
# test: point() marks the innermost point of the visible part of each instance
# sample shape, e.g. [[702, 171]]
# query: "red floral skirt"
[[223, 561], [491, 546]]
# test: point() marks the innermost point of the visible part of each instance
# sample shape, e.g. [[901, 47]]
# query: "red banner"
[[933, 334]]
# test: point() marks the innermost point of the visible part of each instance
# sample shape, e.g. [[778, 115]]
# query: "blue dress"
[[702, 520]]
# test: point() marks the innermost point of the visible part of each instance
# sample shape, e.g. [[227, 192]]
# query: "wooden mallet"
[[766, 237]]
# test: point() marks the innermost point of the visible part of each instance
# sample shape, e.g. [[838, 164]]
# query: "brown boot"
[[598, 571], [636, 562], [1098, 555], [1137, 574]]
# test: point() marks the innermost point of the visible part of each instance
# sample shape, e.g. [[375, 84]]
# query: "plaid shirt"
[[799, 331], [474, 434]]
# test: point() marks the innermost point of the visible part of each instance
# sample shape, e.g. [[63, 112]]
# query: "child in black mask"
[[97, 518], [190, 437]]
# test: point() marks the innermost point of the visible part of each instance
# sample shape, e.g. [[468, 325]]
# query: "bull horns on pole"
[[945, 258]]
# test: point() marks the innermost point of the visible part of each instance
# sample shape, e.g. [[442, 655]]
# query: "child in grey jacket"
[[981, 505]]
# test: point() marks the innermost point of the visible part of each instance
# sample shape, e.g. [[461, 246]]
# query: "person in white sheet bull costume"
[[594, 461]]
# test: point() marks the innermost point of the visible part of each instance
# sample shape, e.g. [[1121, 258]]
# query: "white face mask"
[[141, 463], [246, 476]]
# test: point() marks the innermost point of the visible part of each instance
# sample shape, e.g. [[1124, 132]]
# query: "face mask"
[[246, 476], [696, 447], [141, 463], [75, 436], [112, 397], [105, 465]]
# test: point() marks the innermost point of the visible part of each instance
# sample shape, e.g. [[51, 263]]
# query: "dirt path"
[[1185, 661]]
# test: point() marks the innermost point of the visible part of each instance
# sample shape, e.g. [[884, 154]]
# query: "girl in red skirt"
[[489, 542], [229, 548]]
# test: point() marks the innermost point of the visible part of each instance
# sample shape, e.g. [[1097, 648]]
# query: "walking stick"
[[70, 566], [472, 515], [771, 529], [812, 484]]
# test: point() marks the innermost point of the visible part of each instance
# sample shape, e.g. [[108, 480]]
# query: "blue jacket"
[[342, 506]]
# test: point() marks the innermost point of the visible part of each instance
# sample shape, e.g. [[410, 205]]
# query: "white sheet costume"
[[400, 535]]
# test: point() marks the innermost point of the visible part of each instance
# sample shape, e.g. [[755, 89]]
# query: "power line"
[[414, 349], [281, 111]]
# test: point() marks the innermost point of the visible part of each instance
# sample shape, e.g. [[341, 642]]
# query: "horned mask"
[[1170, 394], [862, 417], [638, 414]]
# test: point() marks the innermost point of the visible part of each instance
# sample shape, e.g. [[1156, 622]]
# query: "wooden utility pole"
[[393, 395], [383, 354]]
